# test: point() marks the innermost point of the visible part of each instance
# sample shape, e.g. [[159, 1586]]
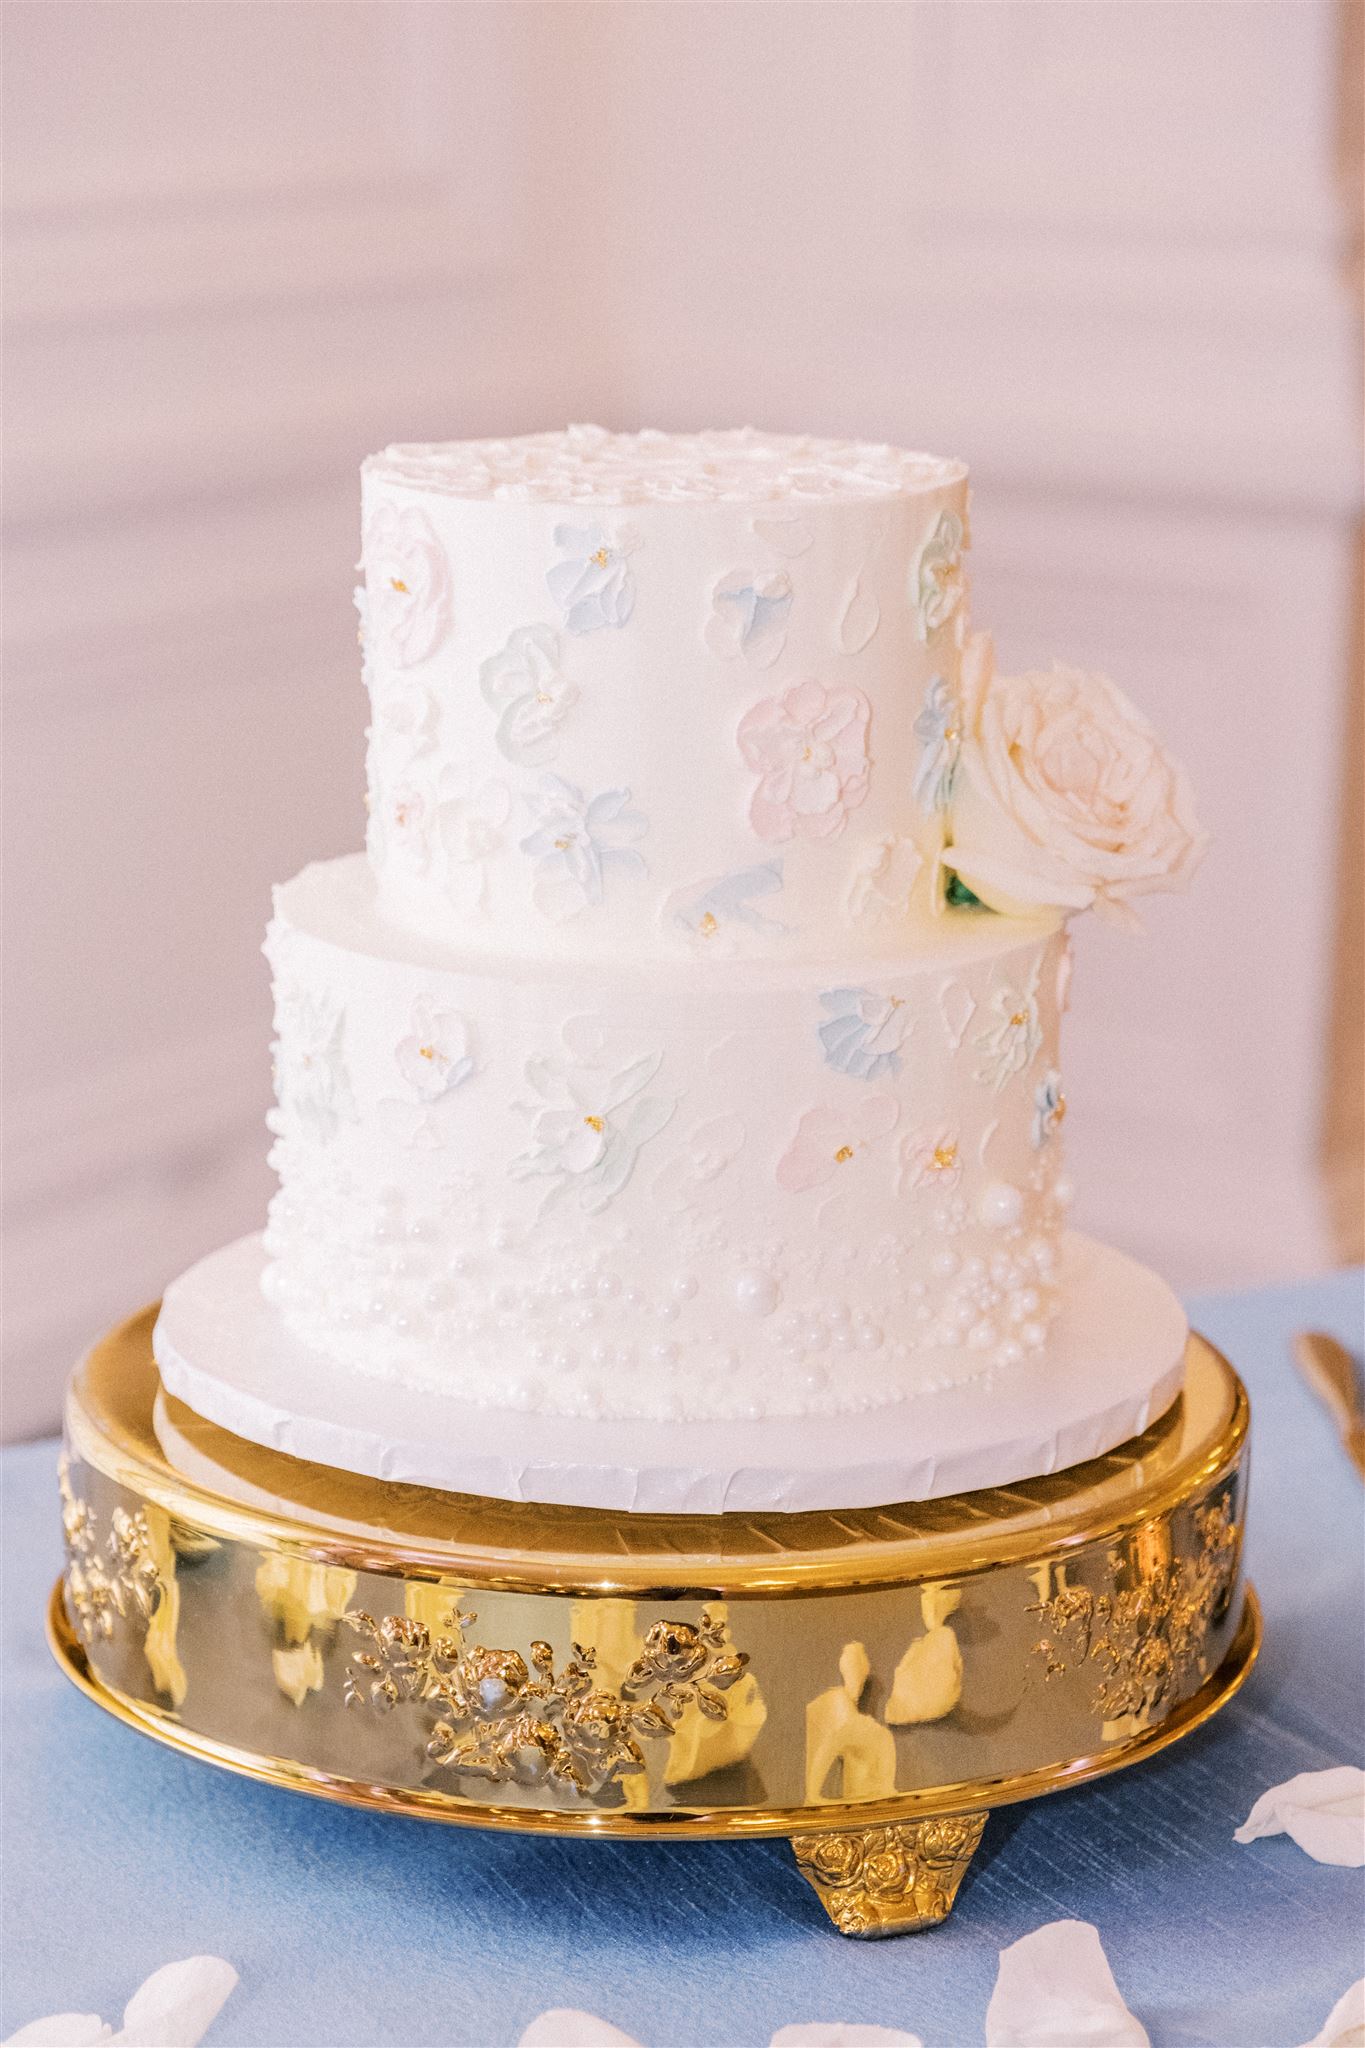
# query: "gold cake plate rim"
[[931, 1802], [372, 1525]]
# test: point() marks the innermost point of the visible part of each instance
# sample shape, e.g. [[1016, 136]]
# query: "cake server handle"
[[1331, 1372]]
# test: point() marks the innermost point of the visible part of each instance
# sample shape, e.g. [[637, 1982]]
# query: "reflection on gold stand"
[[570, 1671]]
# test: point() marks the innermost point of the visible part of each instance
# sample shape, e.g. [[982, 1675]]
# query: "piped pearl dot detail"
[[756, 1292], [999, 1205]]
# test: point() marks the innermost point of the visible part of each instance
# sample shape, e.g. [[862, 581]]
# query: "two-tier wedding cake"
[[685, 1045]]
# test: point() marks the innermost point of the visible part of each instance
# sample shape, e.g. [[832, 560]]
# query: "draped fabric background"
[[1102, 251]]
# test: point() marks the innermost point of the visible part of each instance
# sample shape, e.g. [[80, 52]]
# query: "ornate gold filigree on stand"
[[890, 1880], [565, 1671]]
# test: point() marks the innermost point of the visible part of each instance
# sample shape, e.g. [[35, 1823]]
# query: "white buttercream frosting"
[[589, 464], [741, 1189]]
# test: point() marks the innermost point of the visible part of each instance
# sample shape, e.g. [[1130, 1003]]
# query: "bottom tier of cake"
[[1113, 1363], [707, 1191]]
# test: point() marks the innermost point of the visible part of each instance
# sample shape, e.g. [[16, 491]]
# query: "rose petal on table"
[[842, 2034], [1323, 1811], [174, 2008], [62, 2030], [565, 2027], [1344, 2026], [1055, 1989]]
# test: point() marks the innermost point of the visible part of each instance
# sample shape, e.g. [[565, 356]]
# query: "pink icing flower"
[[407, 585], [828, 1139], [809, 751]]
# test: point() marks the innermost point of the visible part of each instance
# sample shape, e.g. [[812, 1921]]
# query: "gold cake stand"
[[869, 1684]]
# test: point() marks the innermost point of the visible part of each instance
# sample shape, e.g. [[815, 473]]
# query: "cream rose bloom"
[[1062, 796]]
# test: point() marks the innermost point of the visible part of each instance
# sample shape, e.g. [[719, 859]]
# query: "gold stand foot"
[[890, 1880]]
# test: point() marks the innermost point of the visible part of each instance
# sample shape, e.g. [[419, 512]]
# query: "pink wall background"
[[1097, 250]]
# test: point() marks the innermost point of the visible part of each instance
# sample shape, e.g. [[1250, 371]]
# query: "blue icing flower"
[[938, 730], [577, 841], [593, 585], [749, 617], [864, 1033], [729, 901]]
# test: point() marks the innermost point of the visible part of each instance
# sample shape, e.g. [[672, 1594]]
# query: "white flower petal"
[[842, 2034], [178, 2004], [1323, 1811], [1055, 1990], [564, 2028], [62, 2030], [1344, 2026]]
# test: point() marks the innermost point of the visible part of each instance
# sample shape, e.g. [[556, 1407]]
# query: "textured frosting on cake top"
[[587, 464]]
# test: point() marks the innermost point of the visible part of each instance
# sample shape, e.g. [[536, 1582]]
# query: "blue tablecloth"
[[349, 1927]]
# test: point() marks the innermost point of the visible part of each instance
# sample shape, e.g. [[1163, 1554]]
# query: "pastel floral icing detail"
[[939, 732], [809, 751], [828, 1140], [708, 910], [472, 816], [407, 586], [577, 842], [707, 1153], [864, 1033], [785, 536], [860, 618], [1011, 1040], [749, 616], [404, 824], [313, 1083], [957, 1007], [436, 1056], [594, 585], [588, 1128], [1064, 798], [937, 581], [930, 1159], [883, 881], [1049, 1108], [526, 686]]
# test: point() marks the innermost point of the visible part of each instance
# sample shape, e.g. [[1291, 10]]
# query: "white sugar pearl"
[[944, 1263], [756, 1292], [1063, 1193], [685, 1286], [999, 1205], [1034, 1335], [668, 1311], [664, 1354], [981, 1336], [608, 1286], [869, 1337], [1010, 1352]]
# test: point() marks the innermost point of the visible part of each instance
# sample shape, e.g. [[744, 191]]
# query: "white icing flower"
[[939, 732], [174, 2008], [711, 1148], [436, 1055], [577, 842], [593, 585], [311, 1076], [1010, 1042], [749, 616], [523, 683], [936, 584], [930, 1159], [883, 882], [864, 1032], [404, 824], [588, 1130], [1049, 1107], [471, 823], [1063, 796], [407, 583], [711, 910]]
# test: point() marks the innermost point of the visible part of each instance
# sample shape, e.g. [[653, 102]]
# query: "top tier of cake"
[[661, 695]]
